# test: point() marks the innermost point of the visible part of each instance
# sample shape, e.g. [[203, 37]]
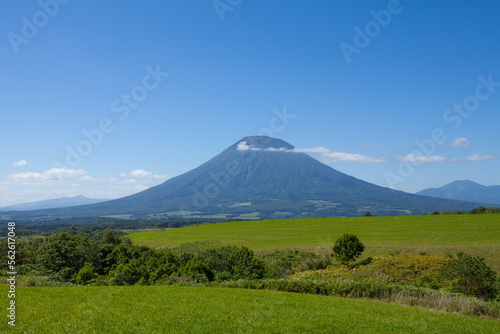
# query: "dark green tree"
[[470, 276], [367, 214], [64, 254], [478, 210], [347, 248]]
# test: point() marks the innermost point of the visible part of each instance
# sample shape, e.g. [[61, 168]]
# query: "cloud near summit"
[[327, 155]]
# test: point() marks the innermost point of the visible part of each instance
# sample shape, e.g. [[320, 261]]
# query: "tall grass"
[[375, 289]]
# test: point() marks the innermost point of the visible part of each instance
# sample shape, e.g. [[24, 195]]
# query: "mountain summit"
[[262, 143], [260, 177]]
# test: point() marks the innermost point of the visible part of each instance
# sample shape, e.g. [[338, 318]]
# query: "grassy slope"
[[475, 234], [163, 309]]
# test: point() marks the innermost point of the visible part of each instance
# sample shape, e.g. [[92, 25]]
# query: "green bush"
[[197, 270], [85, 274], [347, 248], [421, 270], [470, 276]]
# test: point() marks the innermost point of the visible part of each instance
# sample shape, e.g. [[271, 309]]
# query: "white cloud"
[[460, 143], [412, 157], [161, 176], [140, 173], [328, 155], [332, 157], [478, 157], [20, 163], [243, 146], [50, 176], [59, 182]]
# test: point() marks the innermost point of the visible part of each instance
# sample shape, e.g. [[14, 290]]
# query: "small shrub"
[[85, 274], [347, 248]]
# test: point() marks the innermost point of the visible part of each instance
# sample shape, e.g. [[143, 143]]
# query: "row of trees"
[[477, 211], [112, 260]]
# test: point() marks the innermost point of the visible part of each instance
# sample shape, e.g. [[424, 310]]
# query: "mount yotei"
[[255, 178]]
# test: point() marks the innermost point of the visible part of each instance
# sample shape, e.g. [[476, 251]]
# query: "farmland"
[[442, 234]]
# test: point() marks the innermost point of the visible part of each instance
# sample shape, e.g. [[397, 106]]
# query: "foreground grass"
[[164, 309], [478, 235]]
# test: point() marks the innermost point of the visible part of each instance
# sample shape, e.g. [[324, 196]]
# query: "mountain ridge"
[[465, 190], [260, 177], [53, 203]]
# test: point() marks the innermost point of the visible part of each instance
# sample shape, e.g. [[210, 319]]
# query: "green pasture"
[[478, 235], [173, 309], [449, 230]]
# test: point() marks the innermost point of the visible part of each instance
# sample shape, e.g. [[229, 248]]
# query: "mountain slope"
[[466, 191], [261, 177], [53, 203]]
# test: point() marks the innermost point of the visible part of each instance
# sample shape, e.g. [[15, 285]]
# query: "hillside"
[[465, 191], [256, 178]]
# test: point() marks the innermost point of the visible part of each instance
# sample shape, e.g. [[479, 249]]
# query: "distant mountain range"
[[255, 178], [53, 203], [466, 191]]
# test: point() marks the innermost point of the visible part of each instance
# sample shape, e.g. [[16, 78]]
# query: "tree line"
[[113, 260]]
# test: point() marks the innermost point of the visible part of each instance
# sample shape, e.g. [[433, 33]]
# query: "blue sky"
[[403, 94]]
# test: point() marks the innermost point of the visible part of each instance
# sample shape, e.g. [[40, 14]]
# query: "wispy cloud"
[[51, 176], [327, 155], [141, 173], [32, 186], [20, 163], [243, 146], [333, 157], [412, 157], [460, 143], [479, 157]]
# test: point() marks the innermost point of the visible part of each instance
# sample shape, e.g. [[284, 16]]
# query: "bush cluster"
[[466, 274], [111, 260]]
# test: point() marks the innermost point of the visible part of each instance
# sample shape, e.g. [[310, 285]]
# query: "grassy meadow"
[[478, 235], [174, 309]]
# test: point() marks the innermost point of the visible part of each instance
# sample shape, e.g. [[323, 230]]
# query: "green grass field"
[[443, 234], [172, 309]]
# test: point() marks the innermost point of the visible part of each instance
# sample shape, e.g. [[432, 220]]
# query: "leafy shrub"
[[470, 276], [245, 265], [404, 270], [197, 270], [347, 248], [86, 274], [280, 264]]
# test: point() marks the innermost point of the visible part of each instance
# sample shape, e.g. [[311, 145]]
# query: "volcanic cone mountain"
[[260, 177]]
